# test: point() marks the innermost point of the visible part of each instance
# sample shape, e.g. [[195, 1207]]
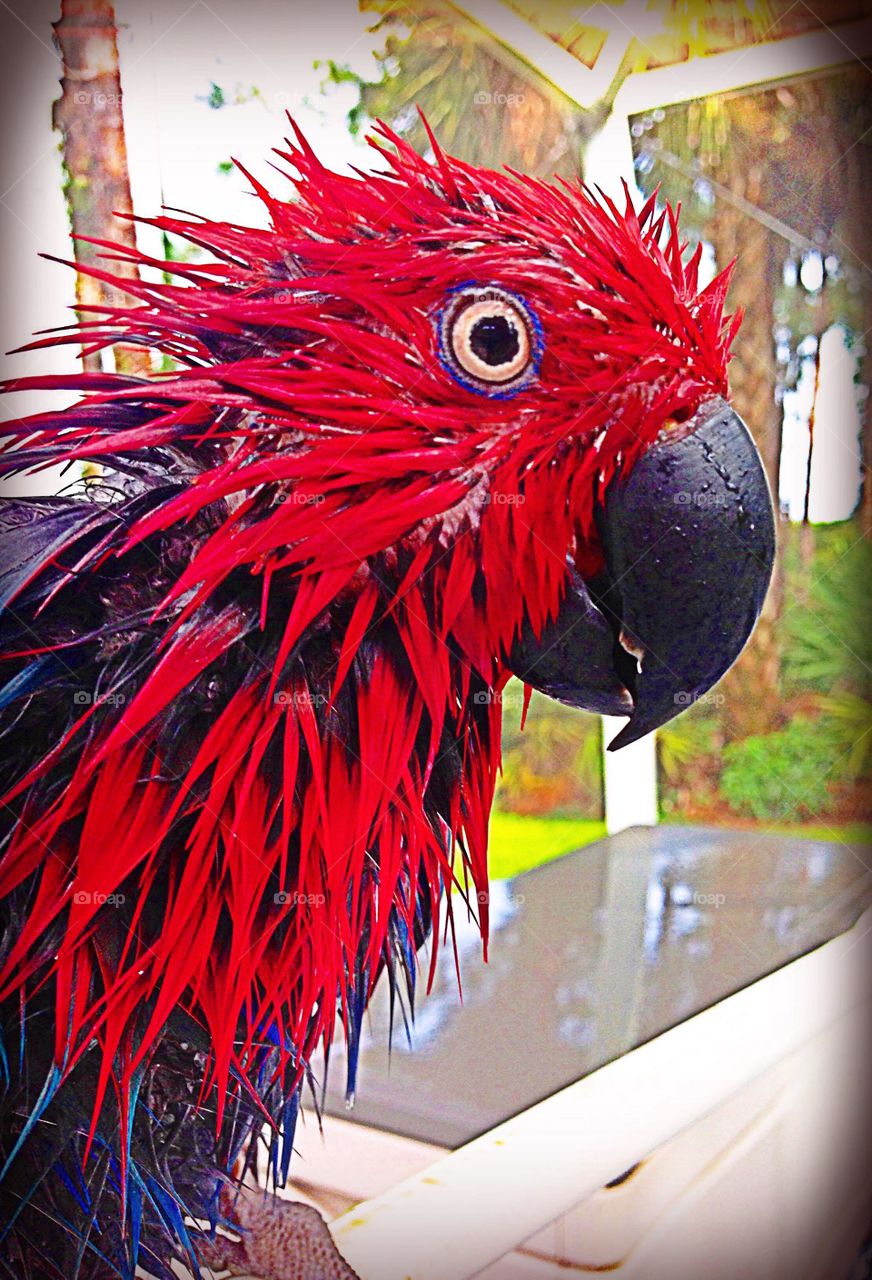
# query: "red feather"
[[340, 469]]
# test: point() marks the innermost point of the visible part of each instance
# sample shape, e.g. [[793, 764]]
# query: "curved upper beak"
[[689, 543]]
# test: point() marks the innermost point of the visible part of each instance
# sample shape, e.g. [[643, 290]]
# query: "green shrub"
[[779, 775], [826, 638], [686, 739], [846, 724]]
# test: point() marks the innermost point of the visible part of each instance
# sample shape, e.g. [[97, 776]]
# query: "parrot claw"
[[279, 1240]]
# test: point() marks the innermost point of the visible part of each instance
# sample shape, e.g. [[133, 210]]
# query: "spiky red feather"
[[361, 496]]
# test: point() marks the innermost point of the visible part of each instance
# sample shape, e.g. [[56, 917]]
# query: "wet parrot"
[[427, 428]]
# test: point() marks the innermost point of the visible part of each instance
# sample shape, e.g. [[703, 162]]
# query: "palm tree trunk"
[[88, 116]]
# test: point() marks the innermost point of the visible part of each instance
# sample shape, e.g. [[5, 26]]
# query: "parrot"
[[430, 427]]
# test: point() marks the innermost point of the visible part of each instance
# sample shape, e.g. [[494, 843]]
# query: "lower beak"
[[689, 543]]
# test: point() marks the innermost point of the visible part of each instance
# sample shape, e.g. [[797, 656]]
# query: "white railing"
[[477, 1204]]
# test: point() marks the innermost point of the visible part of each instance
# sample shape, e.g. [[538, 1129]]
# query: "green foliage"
[[178, 250], [216, 97], [779, 775], [689, 761], [827, 641], [809, 765], [553, 765], [684, 740], [846, 725], [484, 104], [338, 73]]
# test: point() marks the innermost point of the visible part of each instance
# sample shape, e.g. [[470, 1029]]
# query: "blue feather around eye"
[[449, 361]]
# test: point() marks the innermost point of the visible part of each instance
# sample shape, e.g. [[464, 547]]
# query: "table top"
[[590, 956]]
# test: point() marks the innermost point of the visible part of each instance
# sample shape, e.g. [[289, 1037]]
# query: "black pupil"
[[494, 339]]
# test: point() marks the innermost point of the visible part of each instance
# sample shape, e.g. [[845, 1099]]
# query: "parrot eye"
[[490, 341]]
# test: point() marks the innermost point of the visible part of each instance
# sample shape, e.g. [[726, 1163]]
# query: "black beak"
[[689, 542]]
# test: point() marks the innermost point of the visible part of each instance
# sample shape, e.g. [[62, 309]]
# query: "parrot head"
[[542, 369], [507, 378]]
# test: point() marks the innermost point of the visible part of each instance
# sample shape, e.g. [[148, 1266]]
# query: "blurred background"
[[755, 116]]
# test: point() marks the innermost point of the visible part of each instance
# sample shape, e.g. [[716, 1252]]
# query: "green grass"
[[848, 832], [518, 843]]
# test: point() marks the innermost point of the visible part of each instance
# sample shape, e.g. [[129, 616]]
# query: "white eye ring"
[[489, 340], [491, 326]]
